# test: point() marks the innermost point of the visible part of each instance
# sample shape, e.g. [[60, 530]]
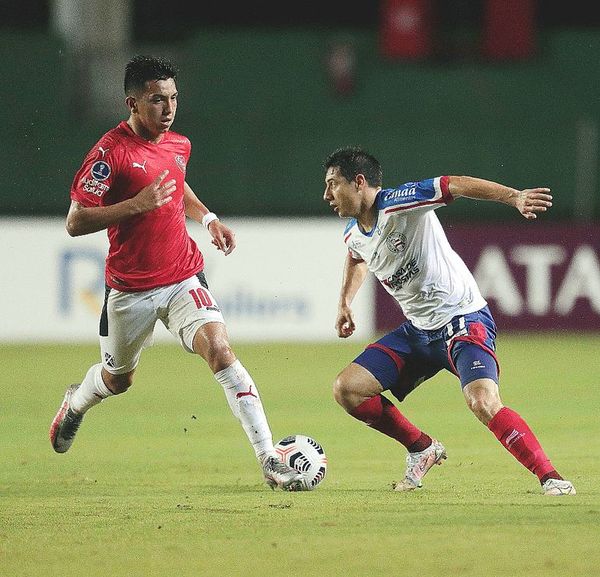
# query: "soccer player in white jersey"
[[395, 234], [132, 183]]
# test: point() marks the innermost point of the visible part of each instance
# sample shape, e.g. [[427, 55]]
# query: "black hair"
[[353, 160], [140, 69]]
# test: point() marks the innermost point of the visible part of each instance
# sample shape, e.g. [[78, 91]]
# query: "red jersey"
[[154, 248]]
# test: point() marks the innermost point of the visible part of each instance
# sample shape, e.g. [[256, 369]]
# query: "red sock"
[[381, 414], [514, 434]]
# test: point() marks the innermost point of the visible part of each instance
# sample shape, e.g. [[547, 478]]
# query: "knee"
[[484, 402], [212, 344], [353, 386], [347, 392], [117, 384], [219, 355], [340, 389], [482, 409]]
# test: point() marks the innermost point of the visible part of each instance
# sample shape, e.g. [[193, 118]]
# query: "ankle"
[[550, 475], [422, 443]]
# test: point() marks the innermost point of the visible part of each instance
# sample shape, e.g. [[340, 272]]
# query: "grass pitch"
[[162, 481]]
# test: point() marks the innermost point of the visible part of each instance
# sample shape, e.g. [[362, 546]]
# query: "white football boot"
[[558, 487], [278, 474], [417, 465], [65, 424]]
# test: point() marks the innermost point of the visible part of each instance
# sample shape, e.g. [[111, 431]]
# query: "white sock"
[[244, 400], [91, 391]]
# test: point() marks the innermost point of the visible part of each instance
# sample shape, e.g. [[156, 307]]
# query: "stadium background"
[[260, 103], [267, 93]]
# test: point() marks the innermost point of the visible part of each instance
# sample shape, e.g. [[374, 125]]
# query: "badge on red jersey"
[[180, 160], [100, 170]]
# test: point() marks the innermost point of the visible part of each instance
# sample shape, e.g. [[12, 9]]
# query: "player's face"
[[340, 194], [155, 108]]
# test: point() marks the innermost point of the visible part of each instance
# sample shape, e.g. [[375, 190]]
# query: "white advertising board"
[[281, 283]]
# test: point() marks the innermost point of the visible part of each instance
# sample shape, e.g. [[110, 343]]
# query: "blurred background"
[[506, 90]]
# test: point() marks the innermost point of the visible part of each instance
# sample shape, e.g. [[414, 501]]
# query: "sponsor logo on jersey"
[[396, 242], [92, 186], [103, 151], [406, 192], [100, 170], [138, 165], [180, 160], [402, 275]]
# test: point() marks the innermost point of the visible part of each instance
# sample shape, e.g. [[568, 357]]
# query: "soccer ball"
[[306, 456]]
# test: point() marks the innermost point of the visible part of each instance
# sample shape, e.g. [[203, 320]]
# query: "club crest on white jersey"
[[408, 252]]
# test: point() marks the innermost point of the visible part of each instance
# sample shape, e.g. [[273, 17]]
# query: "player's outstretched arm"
[[85, 220], [354, 275], [528, 201]]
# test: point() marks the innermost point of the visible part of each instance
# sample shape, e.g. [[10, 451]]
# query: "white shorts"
[[128, 319]]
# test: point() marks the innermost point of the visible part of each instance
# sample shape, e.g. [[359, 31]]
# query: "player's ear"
[[131, 104]]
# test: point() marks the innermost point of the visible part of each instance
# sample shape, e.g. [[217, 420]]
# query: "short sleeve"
[[93, 180], [429, 193]]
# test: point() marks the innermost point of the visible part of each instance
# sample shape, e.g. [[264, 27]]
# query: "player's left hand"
[[533, 200], [222, 236]]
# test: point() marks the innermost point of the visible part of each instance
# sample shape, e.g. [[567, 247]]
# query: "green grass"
[[162, 481]]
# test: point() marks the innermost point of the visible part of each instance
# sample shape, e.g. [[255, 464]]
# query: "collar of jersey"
[[370, 233]]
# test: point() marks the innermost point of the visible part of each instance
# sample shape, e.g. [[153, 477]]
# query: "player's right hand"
[[533, 200], [156, 194], [344, 323]]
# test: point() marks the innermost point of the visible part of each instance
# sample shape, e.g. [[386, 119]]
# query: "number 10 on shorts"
[[201, 297]]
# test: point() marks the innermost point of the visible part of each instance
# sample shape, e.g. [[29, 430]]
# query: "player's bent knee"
[[348, 392], [483, 399], [218, 355], [344, 388], [354, 385], [212, 344], [221, 358], [483, 411], [340, 389]]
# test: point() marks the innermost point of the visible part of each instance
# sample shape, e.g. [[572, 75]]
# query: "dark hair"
[[141, 69], [353, 160]]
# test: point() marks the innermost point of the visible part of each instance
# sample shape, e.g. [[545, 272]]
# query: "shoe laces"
[[275, 465]]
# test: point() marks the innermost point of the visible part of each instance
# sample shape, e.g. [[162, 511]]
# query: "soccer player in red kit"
[[132, 183]]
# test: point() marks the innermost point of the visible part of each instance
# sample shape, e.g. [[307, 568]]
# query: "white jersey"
[[407, 250]]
